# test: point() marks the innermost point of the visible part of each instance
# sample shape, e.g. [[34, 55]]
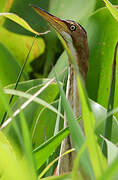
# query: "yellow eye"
[[73, 27]]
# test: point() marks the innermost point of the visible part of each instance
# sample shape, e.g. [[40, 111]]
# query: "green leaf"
[[28, 96], [14, 17], [111, 171], [77, 162], [96, 156], [41, 154], [10, 68], [27, 146], [102, 38], [112, 9], [100, 115], [73, 10], [60, 177], [50, 164], [40, 128], [108, 121], [15, 169], [23, 10], [100, 3], [19, 45], [33, 110], [112, 151]]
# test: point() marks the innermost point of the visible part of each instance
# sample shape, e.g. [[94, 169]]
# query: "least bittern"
[[75, 38]]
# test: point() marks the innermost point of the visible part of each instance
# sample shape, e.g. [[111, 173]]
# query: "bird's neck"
[[80, 55], [79, 50]]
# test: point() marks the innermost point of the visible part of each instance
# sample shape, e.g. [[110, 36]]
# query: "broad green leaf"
[[97, 159], [100, 115], [24, 10], [14, 17], [112, 9], [9, 153], [40, 128], [102, 41], [15, 169], [17, 81], [32, 111]]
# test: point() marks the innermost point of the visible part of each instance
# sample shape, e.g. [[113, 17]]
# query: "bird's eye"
[[72, 27]]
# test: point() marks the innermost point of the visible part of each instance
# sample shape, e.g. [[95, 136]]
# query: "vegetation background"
[[31, 137]]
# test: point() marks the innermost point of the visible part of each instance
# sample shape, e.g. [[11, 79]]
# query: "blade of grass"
[[112, 151], [112, 9], [27, 147], [61, 177], [58, 118], [108, 122], [18, 79], [97, 159], [46, 169], [77, 161]]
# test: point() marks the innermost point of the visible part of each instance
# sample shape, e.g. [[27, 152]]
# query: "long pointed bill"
[[58, 24]]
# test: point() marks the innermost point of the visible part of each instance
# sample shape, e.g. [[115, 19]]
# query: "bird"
[[75, 38]]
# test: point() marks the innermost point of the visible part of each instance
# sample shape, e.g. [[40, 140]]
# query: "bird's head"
[[74, 36]]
